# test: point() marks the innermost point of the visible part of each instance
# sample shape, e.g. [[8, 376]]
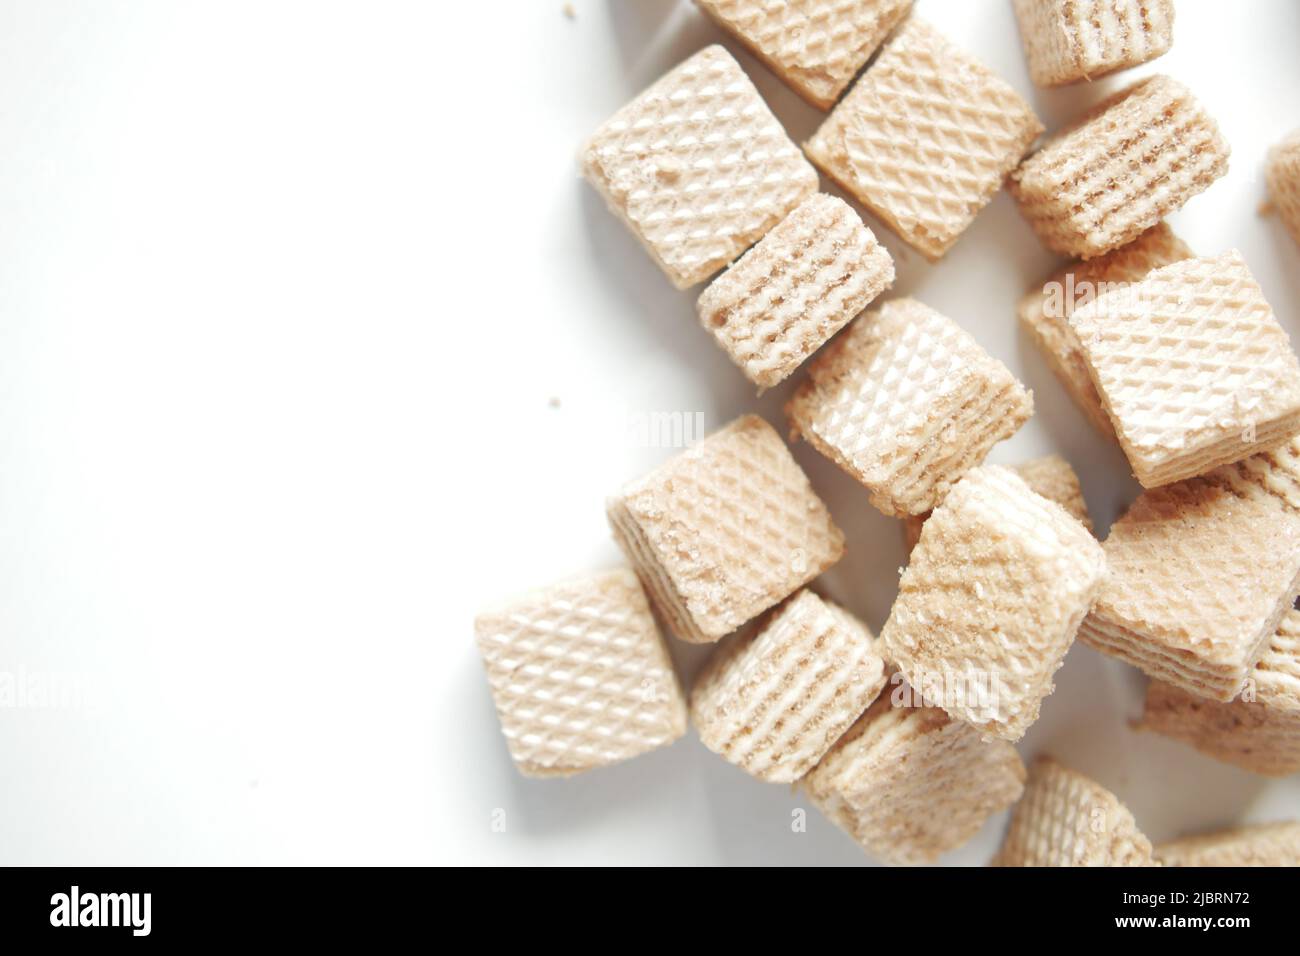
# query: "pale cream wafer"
[[1283, 176], [1260, 730], [1045, 313], [698, 167], [816, 270], [990, 601], [1192, 367], [580, 675], [906, 402], [1050, 476], [1125, 166], [1070, 40], [724, 530], [816, 46], [773, 701], [909, 783], [1065, 819], [1264, 844], [1201, 573], [925, 137]]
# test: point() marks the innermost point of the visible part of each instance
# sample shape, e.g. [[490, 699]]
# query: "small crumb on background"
[[554, 401], [569, 11]]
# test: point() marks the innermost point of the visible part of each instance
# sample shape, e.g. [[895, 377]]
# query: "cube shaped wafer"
[[1260, 730], [799, 286], [1070, 40], [1192, 367], [1125, 166], [816, 46], [1201, 573], [906, 402], [1065, 819], [772, 702], [925, 138], [1264, 844], [580, 675], [1050, 476], [991, 600], [698, 167], [724, 530], [1045, 312], [1283, 175], [910, 783]]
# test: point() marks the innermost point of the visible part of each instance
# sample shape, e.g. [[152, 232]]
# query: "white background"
[[287, 290]]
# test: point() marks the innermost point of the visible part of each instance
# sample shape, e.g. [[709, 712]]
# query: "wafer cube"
[[773, 701], [725, 530], [800, 285], [1260, 730], [816, 46], [1192, 367], [1264, 844], [906, 402], [1065, 819], [1201, 573], [1283, 175], [909, 783], [580, 675], [1051, 476], [1070, 40], [1121, 169], [925, 138], [698, 167], [991, 600], [1045, 312]]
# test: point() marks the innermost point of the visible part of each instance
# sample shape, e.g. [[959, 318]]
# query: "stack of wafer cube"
[[906, 741]]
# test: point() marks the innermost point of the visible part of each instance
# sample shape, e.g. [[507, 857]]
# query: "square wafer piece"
[[1051, 476], [1260, 730], [925, 138], [725, 530], [580, 675], [910, 783], [1264, 844], [800, 285], [906, 402], [1065, 819], [1192, 367], [698, 167], [772, 702], [816, 46], [991, 600], [1122, 168], [1070, 40], [1045, 312], [1201, 573], [1283, 176]]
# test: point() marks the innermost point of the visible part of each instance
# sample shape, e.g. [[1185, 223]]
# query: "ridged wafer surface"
[[1045, 312], [774, 701], [725, 530], [1283, 174], [906, 402], [990, 601], [816, 46], [1065, 819], [1070, 40], [909, 783], [698, 167], [925, 137], [816, 270], [1192, 367], [1201, 573], [1260, 730], [1264, 844], [1123, 168], [580, 675]]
